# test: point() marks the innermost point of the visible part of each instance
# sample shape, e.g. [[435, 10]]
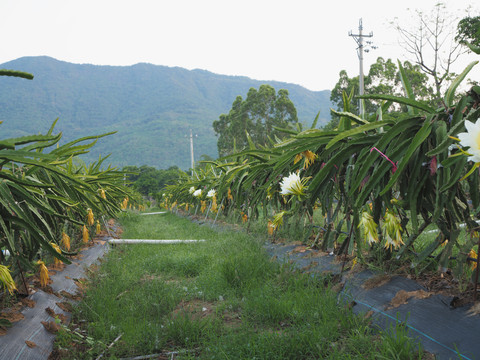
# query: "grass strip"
[[219, 299]]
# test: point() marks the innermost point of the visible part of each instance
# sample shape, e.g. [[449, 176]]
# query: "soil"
[[446, 284]]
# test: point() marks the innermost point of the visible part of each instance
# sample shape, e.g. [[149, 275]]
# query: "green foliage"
[[47, 191], [384, 77], [148, 180], [257, 116], [151, 107], [238, 304], [402, 170], [15, 73], [468, 31]]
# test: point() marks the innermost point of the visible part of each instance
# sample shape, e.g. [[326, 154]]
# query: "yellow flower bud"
[[278, 219], [393, 231], [369, 228]]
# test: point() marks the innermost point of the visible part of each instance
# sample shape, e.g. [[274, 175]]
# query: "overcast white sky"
[[304, 42]]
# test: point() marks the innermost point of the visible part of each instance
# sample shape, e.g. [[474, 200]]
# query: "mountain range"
[[151, 107]]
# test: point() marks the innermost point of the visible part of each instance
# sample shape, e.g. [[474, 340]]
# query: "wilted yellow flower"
[[85, 234], [214, 207], [124, 203], [6, 279], [369, 228], [102, 194], [270, 227], [98, 228], [244, 217], [309, 158], [90, 219], [473, 254], [43, 273], [186, 207], [393, 231], [229, 196], [204, 206], [354, 262], [65, 241], [58, 250]]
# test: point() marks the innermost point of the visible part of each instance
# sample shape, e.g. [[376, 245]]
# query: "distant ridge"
[[151, 106]]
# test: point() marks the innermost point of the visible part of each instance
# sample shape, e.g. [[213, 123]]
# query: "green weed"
[[223, 298]]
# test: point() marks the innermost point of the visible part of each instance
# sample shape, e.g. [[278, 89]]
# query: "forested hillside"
[[151, 107]]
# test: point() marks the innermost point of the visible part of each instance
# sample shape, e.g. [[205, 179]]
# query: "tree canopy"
[[468, 30], [433, 46], [258, 115], [383, 78], [148, 180]]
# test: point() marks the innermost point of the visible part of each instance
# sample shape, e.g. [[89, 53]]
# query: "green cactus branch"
[[15, 73]]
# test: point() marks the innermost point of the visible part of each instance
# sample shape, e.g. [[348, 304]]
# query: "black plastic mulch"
[[13, 345], [447, 332]]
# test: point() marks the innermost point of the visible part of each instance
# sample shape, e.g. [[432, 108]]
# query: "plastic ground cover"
[[448, 333], [13, 345]]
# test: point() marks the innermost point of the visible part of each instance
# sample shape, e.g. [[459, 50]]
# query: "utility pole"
[[191, 150], [359, 40]]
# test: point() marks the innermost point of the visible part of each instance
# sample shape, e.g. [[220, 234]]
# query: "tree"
[[147, 180], [432, 45], [383, 78], [257, 115], [468, 31]]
